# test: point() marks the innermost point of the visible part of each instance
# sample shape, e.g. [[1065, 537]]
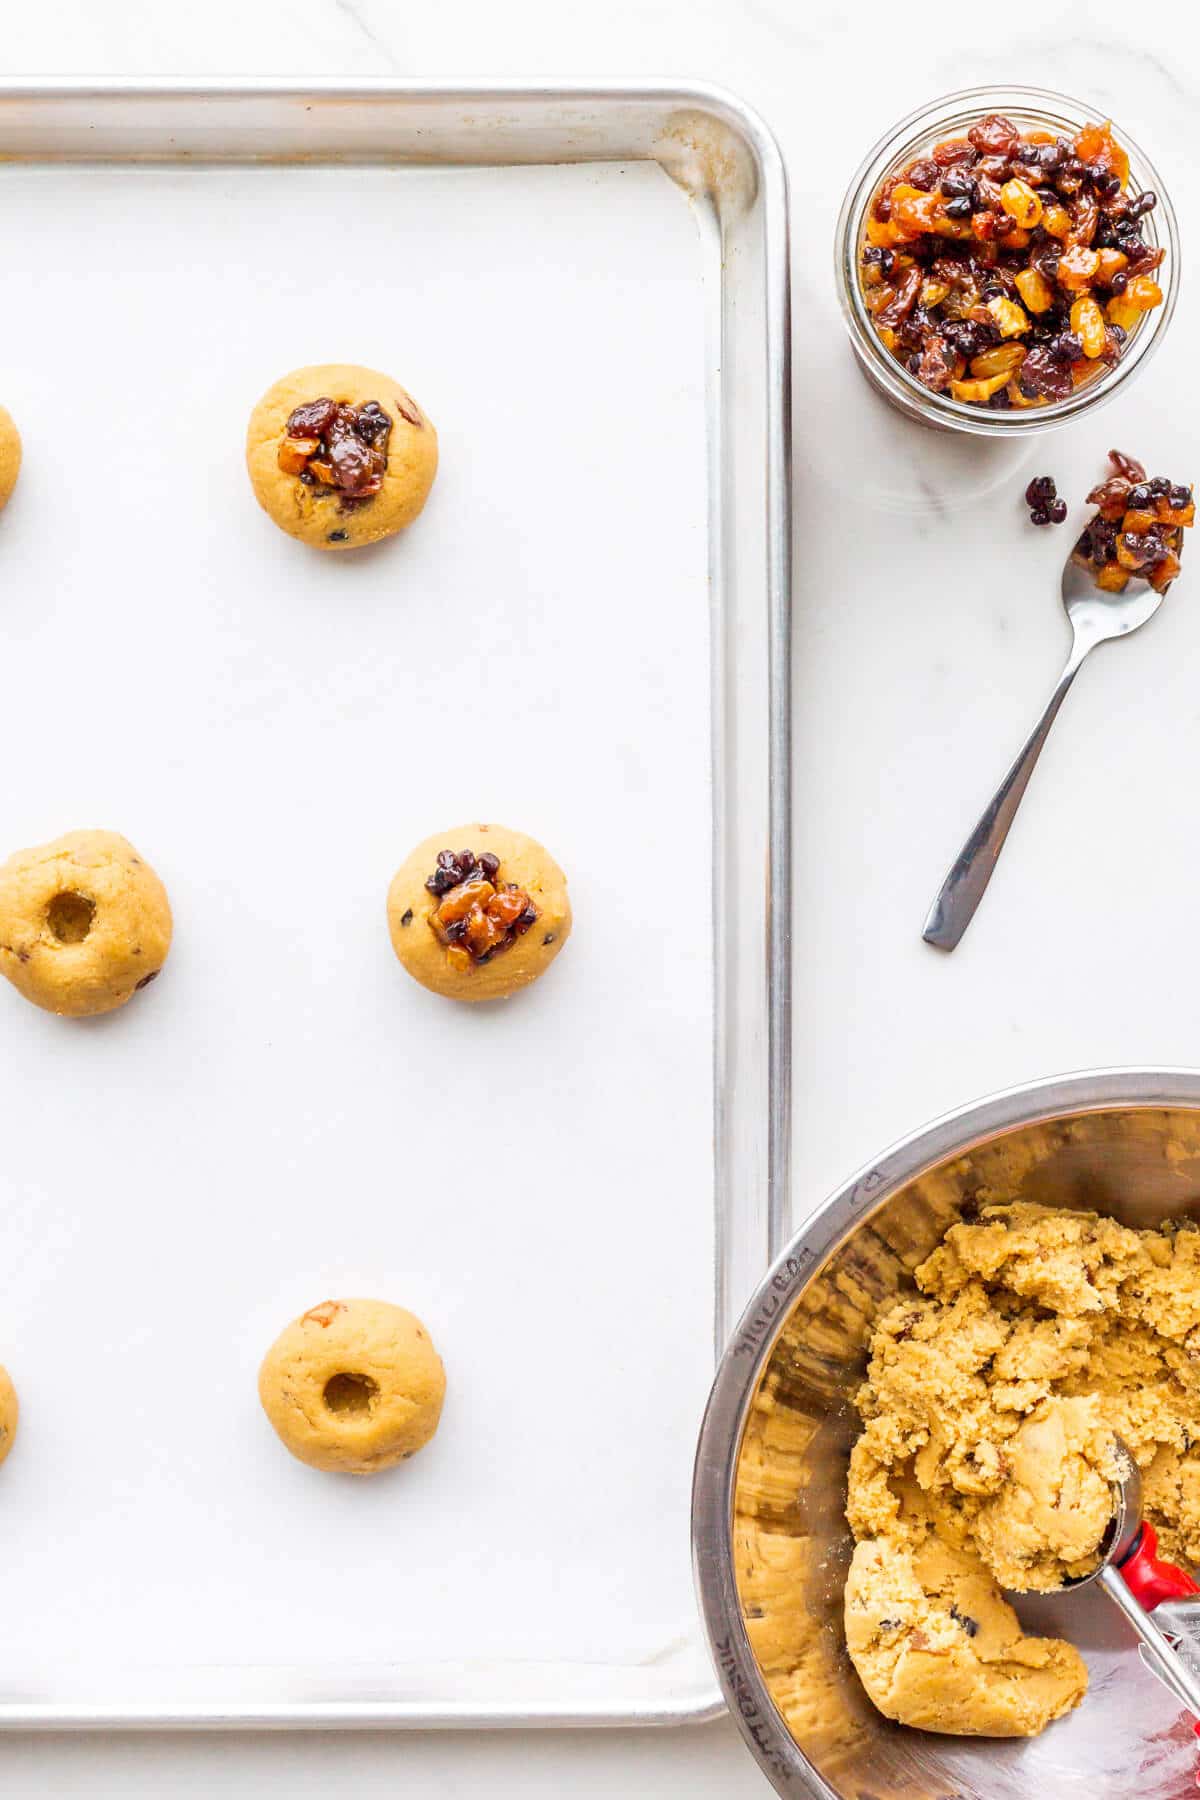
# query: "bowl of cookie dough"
[[903, 1446]]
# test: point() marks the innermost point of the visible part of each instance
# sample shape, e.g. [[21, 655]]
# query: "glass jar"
[[1030, 109]]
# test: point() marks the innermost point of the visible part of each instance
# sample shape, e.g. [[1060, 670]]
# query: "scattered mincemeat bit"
[[889, 1624], [340, 448], [339, 537], [408, 917], [1137, 529], [969, 1625], [1041, 497], [147, 979], [325, 1314], [478, 915], [1007, 268]]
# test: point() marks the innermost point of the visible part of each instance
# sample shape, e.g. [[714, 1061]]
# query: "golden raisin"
[[1077, 266], [295, 452], [1002, 359], [1035, 290], [1087, 322], [1021, 203]]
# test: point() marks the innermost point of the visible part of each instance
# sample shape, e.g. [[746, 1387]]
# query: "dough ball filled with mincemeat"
[[478, 912], [340, 456]]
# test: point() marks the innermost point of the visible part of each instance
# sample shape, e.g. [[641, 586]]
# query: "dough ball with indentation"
[[353, 1386], [10, 456], [477, 912], [340, 456], [84, 923]]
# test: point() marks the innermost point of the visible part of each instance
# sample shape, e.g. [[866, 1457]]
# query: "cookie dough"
[[8, 1413], [989, 1411], [84, 923], [10, 456], [477, 912], [340, 479], [353, 1386]]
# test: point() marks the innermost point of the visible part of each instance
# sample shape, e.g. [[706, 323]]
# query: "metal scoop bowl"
[[1160, 1601]]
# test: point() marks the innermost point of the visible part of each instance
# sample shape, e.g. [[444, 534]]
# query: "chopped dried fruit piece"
[[1096, 146], [1110, 262], [1011, 320], [1165, 572], [938, 365], [914, 211], [1077, 267], [1111, 496], [978, 391], [1144, 293], [882, 234], [295, 452]]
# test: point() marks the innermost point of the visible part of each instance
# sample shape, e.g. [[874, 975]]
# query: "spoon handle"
[[965, 885]]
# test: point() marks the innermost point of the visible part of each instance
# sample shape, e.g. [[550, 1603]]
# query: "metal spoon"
[[1161, 1602], [1095, 617]]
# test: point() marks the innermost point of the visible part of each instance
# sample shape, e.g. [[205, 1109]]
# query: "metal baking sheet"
[[584, 636]]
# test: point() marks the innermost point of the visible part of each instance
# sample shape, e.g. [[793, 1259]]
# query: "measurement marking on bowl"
[[782, 1282], [748, 1706]]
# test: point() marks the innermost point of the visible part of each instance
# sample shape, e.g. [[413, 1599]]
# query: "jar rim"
[[937, 118]]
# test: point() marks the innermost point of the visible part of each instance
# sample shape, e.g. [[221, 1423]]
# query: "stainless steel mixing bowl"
[[771, 1542]]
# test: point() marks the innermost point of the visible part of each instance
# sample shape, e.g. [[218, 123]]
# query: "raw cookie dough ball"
[[340, 456], [353, 1386], [10, 456], [84, 923], [8, 1413], [478, 912], [938, 1647]]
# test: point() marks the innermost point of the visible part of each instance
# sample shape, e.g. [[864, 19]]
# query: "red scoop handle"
[[1150, 1580]]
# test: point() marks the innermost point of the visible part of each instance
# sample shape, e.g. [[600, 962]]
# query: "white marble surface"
[[927, 636]]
